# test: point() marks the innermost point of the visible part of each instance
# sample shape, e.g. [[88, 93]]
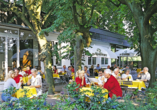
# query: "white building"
[[19, 47]]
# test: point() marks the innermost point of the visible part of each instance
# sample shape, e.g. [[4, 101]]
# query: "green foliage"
[[77, 100], [24, 103]]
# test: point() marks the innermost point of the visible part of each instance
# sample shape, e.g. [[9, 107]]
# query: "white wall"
[[98, 59], [53, 37]]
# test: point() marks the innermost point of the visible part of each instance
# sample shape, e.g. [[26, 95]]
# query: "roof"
[[109, 37]]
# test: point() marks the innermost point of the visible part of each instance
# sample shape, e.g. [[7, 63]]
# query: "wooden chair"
[[124, 86]]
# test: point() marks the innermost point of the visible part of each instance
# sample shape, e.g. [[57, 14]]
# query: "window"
[[102, 61], [106, 60], [94, 60], [91, 60]]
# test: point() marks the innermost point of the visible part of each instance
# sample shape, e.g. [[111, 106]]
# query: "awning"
[[98, 51], [126, 53]]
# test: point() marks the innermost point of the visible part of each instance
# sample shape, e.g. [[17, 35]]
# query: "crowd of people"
[[15, 79], [109, 77]]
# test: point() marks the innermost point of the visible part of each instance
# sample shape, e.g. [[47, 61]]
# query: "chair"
[[124, 86]]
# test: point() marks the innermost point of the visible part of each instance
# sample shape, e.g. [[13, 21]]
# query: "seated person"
[[98, 67], [69, 75], [112, 84], [10, 82], [116, 73], [145, 76], [108, 67], [55, 70], [127, 75], [17, 75], [72, 69], [86, 71], [80, 79], [91, 70], [101, 78], [22, 72], [35, 81], [28, 71], [64, 69]]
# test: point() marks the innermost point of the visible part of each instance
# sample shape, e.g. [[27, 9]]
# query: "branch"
[[117, 5], [74, 14], [23, 8], [92, 10], [123, 1], [151, 10], [47, 15]]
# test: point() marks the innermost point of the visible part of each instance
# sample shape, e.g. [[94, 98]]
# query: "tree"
[[144, 29], [31, 13], [74, 19]]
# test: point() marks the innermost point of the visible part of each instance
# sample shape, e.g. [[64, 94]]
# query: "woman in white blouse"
[[127, 75], [10, 82], [36, 82]]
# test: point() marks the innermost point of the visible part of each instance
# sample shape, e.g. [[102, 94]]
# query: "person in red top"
[[28, 71], [17, 75], [80, 79], [112, 84], [55, 70], [72, 69]]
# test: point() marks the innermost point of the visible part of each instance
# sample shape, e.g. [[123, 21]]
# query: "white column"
[[6, 55], [18, 53]]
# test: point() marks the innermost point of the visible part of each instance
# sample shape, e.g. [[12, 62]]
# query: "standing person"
[[21, 72], [112, 85], [101, 78], [145, 76], [64, 69], [10, 82], [17, 75], [86, 71], [72, 69], [28, 71], [55, 70], [98, 67], [35, 81], [80, 79]]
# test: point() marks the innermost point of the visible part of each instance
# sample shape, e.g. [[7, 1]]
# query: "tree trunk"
[[78, 51], [148, 55], [47, 55]]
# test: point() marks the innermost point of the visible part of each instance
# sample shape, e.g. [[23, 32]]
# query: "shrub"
[[76, 100], [25, 103]]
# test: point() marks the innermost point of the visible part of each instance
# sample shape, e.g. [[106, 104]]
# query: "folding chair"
[[124, 86]]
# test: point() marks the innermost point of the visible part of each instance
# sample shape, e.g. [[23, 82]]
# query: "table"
[[31, 92], [135, 84], [56, 76], [96, 77], [25, 79], [92, 94]]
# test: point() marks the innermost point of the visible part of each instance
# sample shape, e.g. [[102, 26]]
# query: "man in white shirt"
[[116, 73], [145, 76], [127, 76], [101, 78], [64, 69]]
